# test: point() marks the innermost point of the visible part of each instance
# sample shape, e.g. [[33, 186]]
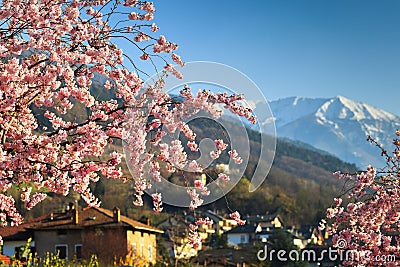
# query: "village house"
[[176, 232], [257, 229], [15, 238], [176, 237], [242, 235], [273, 220], [220, 224], [306, 235], [82, 233]]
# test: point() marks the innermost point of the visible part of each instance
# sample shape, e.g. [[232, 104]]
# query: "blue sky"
[[312, 48]]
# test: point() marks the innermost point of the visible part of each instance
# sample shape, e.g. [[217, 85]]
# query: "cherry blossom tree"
[[54, 54], [366, 229]]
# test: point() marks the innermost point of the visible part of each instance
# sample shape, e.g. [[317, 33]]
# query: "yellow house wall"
[[277, 223], [139, 243]]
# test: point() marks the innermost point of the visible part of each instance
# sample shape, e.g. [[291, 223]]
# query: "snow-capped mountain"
[[337, 125]]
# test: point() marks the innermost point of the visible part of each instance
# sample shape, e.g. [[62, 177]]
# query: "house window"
[[134, 248], [20, 253], [141, 250], [62, 251], [78, 251], [242, 238], [149, 252]]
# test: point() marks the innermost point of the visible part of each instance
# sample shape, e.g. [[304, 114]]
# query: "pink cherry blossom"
[[192, 145], [235, 156], [177, 59], [196, 201], [199, 184], [194, 238], [224, 177], [369, 222], [220, 144], [236, 216], [157, 203], [204, 221], [57, 135]]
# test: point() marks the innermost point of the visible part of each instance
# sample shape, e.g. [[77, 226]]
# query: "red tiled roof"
[[88, 217], [19, 232], [131, 222], [4, 259]]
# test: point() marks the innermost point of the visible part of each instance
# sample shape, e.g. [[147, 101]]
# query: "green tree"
[[282, 240], [219, 241]]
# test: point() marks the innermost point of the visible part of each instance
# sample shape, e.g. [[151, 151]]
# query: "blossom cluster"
[[194, 238], [157, 203], [368, 220], [236, 216]]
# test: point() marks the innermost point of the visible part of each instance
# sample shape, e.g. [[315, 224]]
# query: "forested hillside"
[[300, 185]]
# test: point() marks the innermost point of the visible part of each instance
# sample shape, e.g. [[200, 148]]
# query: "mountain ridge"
[[337, 125]]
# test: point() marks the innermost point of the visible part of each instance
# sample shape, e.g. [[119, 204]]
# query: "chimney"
[[117, 215], [75, 216], [148, 221]]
